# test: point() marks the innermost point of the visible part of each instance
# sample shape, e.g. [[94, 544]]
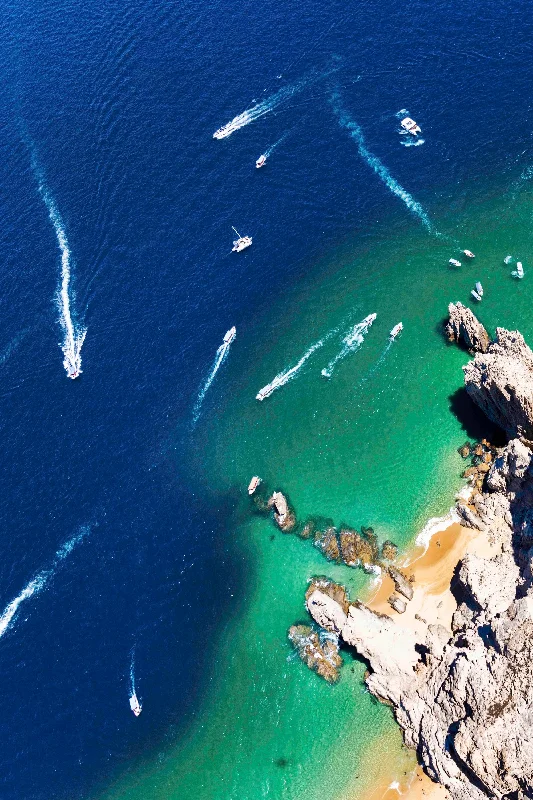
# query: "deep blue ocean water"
[[118, 104]]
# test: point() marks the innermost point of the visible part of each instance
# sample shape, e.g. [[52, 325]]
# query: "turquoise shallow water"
[[375, 445]]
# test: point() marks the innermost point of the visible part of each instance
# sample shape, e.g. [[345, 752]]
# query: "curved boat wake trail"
[[74, 334], [352, 343], [379, 168], [132, 672], [38, 583], [222, 354], [269, 104]]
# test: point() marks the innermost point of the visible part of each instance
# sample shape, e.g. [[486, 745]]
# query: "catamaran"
[[454, 262], [261, 161], [135, 705], [519, 272], [410, 126], [241, 243], [396, 331]]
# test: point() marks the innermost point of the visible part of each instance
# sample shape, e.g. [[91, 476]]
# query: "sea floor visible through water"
[[374, 445]]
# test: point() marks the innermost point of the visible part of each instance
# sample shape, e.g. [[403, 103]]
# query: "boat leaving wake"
[[352, 343], [38, 583], [379, 168], [74, 334], [269, 104], [135, 706], [220, 357]]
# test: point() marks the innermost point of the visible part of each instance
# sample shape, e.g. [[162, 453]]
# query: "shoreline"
[[432, 562]]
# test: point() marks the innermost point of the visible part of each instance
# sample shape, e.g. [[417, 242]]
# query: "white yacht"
[[479, 288], [469, 253], [396, 331], [230, 335], [267, 390], [519, 272], [476, 295], [254, 483], [261, 161], [135, 705], [454, 262], [410, 126], [241, 243]]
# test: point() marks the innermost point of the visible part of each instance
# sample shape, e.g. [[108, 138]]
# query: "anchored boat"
[[469, 253], [410, 126], [254, 483], [454, 262]]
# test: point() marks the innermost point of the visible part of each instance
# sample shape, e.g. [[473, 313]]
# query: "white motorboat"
[[475, 295], [254, 483], [267, 390], [410, 126], [479, 288], [396, 331], [519, 272], [454, 262], [230, 335], [241, 243], [135, 705], [261, 161], [469, 253]]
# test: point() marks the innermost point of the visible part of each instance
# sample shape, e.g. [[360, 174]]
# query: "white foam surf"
[[379, 168], [351, 343], [413, 142], [38, 583], [74, 334], [221, 355], [269, 104]]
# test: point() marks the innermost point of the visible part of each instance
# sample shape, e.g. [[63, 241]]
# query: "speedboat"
[[261, 161], [267, 390], [454, 262], [230, 335], [469, 253], [479, 289], [241, 243], [507, 259], [475, 295], [519, 272], [396, 331], [135, 705], [254, 483], [410, 126]]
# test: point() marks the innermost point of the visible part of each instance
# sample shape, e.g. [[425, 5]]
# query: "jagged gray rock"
[[464, 697], [464, 326], [401, 584], [500, 381]]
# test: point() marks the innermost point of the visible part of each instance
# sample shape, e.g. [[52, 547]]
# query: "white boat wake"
[[74, 334], [379, 168], [38, 583], [222, 354], [352, 343], [413, 142], [284, 377], [269, 104]]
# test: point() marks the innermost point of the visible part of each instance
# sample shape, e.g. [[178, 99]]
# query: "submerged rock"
[[500, 381], [318, 650], [389, 550], [328, 543], [464, 326]]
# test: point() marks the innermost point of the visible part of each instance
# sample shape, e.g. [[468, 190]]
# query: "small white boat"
[[74, 375], [410, 126], [519, 272], [267, 390], [241, 243], [396, 331], [230, 335], [469, 253], [475, 295], [135, 705], [454, 262], [261, 161], [507, 259], [254, 483], [479, 289]]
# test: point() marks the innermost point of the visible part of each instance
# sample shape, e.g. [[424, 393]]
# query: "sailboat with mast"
[[241, 243]]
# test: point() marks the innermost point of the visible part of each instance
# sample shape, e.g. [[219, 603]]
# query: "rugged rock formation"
[[401, 583], [283, 514], [318, 650], [464, 326], [500, 381], [464, 698]]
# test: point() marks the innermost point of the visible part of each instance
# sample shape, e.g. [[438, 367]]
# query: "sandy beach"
[[432, 602]]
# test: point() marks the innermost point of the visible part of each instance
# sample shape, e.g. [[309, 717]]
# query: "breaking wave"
[[379, 168], [38, 583], [269, 104], [352, 342], [221, 355], [74, 334]]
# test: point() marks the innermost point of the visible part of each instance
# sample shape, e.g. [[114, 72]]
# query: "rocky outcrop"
[[463, 326], [500, 381], [319, 650], [283, 514], [463, 697], [401, 583]]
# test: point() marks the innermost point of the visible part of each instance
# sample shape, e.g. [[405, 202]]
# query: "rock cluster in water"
[[464, 327], [464, 697], [318, 649]]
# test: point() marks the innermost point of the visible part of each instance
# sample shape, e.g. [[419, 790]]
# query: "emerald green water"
[[375, 445]]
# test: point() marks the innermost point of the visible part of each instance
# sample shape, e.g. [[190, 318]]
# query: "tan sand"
[[432, 602]]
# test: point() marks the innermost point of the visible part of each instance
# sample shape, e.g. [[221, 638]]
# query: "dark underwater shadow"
[[473, 421]]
